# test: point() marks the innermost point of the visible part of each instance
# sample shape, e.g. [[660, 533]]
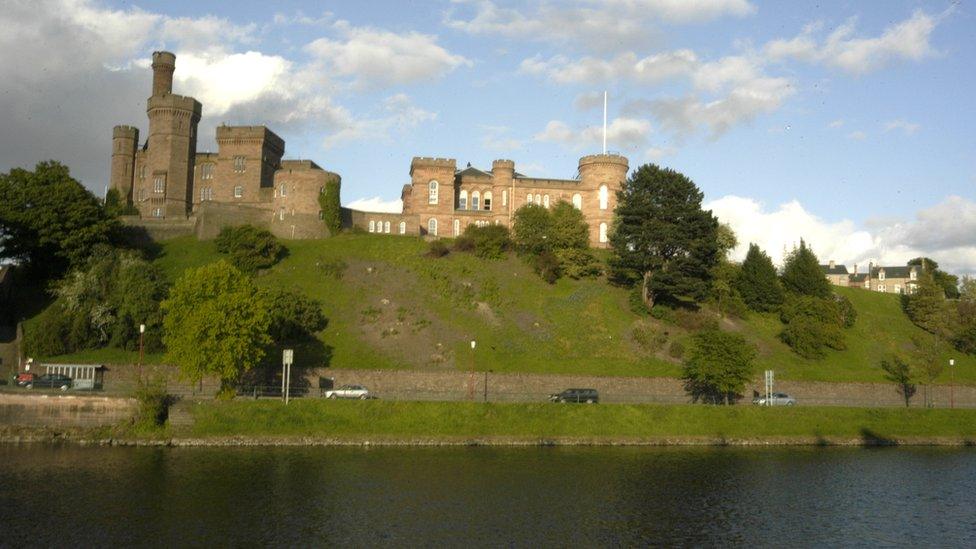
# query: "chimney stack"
[[831, 264]]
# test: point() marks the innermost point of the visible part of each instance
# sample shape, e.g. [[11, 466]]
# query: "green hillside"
[[389, 306]]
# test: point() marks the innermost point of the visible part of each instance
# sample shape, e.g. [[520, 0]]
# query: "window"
[[159, 185], [239, 164], [281, 214], [603, 232], [457, 227], [432, 227], [897, 288], [486, 201], [545, 201], [578, 201], [880, 275], [142, 194], [206, 170], [604, 197], [463, 200], [386, 227], [142, 172], [538, 199], [867, 284], [372, 226], [157, 212], [881, 287], [206, 193], [403, 227], [475, 200], [432, 192], [283, 191], [528, 199], [913, 275], [238, 192], [504, 198]]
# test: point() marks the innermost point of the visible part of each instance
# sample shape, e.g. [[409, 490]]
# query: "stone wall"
[[64, 410]]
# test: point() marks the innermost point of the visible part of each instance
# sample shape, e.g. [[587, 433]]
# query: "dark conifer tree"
[[758, 283], [802, 273]]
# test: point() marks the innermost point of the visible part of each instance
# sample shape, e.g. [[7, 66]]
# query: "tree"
[[568, 228], [488, 242], [662, 239], [758, 283], [48, 220], [295, 317], [330, 206], [249, 247], [926, 359], [718, 367], [531, 229], [802, 273], [967, 288], [727, 241], [948, 282], [215, 323], [898, 371], [927, 306], [115, 206], [812, 325]]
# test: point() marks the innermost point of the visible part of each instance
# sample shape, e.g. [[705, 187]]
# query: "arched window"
[[528, 199], [603, 232], [538, 199], [403, 227], [281, 214], [463, 200], [504, 198], [545, 201], [238, 191], [372, 226], [386, 227], [457, 227], [578, 201], [432, 227], [604, 197], [432, 192], [475, 200], [487, 200]]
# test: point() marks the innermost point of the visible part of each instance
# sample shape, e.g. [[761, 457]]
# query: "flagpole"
[[604, 122]]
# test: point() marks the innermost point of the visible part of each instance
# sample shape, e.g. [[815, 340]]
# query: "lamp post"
[[471, 376], [142, 330], [952, 382]]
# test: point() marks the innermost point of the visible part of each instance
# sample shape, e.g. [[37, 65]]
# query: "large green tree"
[[802, 273], [662, 238], [758, 283], [569, 229], [532, 229], [215, 323], [948, 282], [249, 248], [718, 367], [927, 307], [48, 220]]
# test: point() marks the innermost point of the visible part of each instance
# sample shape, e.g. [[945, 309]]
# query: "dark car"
[[51, 381], [589, 396]]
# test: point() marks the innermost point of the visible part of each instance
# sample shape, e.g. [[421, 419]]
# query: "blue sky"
[[849, 124]]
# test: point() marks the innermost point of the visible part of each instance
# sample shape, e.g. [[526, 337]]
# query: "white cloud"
[[836, 124], [379, 58], [942, 232], [907, 127], [588, 101], [497, 138], [651, 69], [376, 204], [857, 135], [907, 40], [397, 114], [622, 132], [686, 11]]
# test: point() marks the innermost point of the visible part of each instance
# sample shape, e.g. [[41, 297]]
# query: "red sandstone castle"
[[247, 181]]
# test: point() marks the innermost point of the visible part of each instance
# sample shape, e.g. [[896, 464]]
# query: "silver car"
[[349, 391], [777, 399]]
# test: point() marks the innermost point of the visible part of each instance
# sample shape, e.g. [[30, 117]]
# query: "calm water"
[[476, 496]]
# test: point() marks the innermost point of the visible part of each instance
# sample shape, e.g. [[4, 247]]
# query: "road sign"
[[287, 356]]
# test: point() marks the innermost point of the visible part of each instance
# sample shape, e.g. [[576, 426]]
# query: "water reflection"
[[484, 496]]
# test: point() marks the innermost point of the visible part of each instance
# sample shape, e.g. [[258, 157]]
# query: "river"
[[85, 496]]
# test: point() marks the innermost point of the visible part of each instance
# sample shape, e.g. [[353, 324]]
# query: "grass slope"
[[392, 307], [319, 418]]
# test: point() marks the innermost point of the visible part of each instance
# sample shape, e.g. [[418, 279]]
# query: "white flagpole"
[[604, 122]]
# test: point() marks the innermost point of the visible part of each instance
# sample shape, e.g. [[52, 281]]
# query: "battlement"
[[247, 133], [294, 164], [503, 163], [175, 102], [130, 132], [429, 162], [609, 158]]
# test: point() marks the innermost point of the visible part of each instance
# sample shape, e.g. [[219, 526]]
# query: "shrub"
[[676, 350], [812, 326], [718, 367], [578, 263], [294, 317], [636, 303], [50, 335], [490, 241], [463, 243], [332, 268], [154, 403], [547, 266], [568, 227], [531, 227], [649, 338], [848, 313], [437, 248], [249, 248]]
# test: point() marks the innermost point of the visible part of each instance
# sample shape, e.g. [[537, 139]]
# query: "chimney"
[[831, 264], [855, 268], [870, 268]]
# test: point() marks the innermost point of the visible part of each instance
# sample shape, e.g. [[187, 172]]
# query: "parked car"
[[589, 396], [51, 381], [777, 399], [24, 378], [349, 391]]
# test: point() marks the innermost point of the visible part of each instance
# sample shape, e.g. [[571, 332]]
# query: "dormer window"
[[913, 275], [881, 275]]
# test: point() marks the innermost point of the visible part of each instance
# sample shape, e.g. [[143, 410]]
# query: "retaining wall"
[[37, 410]]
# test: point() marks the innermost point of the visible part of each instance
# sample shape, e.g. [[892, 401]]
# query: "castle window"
[[239, 165], [578, 201], [157, 212], [159, 185], [604, 197], [475, 200], [206, 193], [142, 172], [504, 198], [538, 199], [281, 214], [403, 227], [283, 191], [528, 199], [603, 232], [487, 200], [432, 227], [386, 227], [880, 275], [432, 192], [238, 192], [545, 201], [457, 227], [372, 226], [142, 194], [463, 200], [206, 170]]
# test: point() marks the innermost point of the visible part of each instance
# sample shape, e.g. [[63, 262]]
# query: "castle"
[[246, 181]]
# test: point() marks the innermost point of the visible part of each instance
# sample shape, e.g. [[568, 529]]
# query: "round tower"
[[125, 140], [601, 176], [163, 65]]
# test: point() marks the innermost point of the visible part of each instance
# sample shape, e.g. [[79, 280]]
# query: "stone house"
[[836, 274], [892, 280]]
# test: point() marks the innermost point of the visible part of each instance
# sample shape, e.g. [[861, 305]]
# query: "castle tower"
[[503, 181], [432, 194], [601, 176], [172, 144], [125, 139]]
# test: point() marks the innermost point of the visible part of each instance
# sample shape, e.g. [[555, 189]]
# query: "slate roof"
[[893, 272], [860, 277], [836, 270], [471, 170]]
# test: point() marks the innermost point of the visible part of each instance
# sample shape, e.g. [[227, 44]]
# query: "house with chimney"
[[877, 278]]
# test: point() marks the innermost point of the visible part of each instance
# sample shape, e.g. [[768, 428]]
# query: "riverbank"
[[318, 422]]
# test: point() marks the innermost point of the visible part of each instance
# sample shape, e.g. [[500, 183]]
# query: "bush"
[[649, 338], [332, 268], [578, 263], [676, 350], [812, 326], [547, 266], [154, 404], [437, 248], [295, 317], [635, 303], [463, 243], [490, 241], [50, 335], [531, 227], [249, 248], [848, 313], [718, 367]]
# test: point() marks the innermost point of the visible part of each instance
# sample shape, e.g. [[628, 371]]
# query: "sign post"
[[287, 356], [769, 387]]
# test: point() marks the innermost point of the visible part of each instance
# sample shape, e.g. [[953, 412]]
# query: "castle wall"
[[246, 161]]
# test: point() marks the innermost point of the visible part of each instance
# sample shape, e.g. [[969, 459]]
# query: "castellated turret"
[[605, 174], [125, 139], [163, 65]]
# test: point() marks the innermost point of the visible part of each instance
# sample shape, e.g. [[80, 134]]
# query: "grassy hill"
[[389, 306]]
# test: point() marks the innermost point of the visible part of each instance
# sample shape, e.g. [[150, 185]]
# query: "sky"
[[848, 124]]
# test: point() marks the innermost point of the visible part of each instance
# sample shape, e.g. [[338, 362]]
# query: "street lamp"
[[142, 330], [952, 382]]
